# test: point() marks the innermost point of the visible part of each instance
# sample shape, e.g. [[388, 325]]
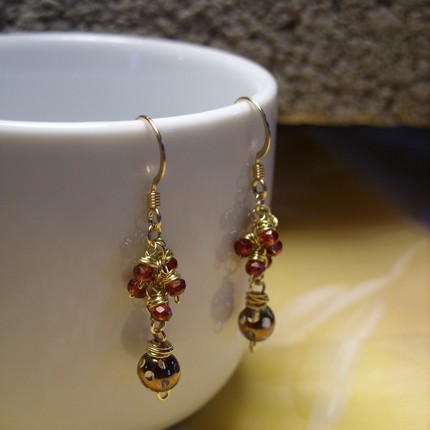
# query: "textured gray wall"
[[336, 62]]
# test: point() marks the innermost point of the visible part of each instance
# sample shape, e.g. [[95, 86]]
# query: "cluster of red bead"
[[156, 278], [259, 245]]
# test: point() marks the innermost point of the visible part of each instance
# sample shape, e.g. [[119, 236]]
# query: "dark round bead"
[[243, 247], [268, 237], [275, 249], [144, 272], [136, 289], [257, 325], [161, 312], [175, 287], [159, 374], [172, 264], [255, 267]]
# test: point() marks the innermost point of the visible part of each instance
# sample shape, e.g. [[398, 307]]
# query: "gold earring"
[[259, 244], [156, 279]]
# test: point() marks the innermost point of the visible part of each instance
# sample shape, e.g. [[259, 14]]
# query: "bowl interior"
[[80, 77]]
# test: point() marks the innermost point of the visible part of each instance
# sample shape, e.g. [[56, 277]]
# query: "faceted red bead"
[[255, 267], [175, 287], [243, 247], [275, 249], [172, 264], [144, 272], [161, 312], [136, 289], [268, 237]]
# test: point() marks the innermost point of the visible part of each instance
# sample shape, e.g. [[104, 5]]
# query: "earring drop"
[[156, 279], [259, 244]]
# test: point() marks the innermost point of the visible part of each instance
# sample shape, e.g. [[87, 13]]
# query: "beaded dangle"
[[156, 279], [258, 244]]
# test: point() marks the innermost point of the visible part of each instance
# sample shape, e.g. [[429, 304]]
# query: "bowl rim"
[[263, 96]]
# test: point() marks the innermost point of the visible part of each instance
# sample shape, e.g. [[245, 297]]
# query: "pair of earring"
[[157, 279]]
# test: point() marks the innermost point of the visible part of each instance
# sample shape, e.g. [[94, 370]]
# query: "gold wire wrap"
[[260, 256], [156, 252], [167, 255], [168, 276], [258, 184], [258, 171], [256, 300], [154, 200], [266, 222], [155, 297], [159, 350], [149, 260]]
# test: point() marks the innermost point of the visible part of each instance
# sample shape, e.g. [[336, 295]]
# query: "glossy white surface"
[[74, 171]]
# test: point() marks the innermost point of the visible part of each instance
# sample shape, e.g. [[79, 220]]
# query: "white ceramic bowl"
[[75, 168]]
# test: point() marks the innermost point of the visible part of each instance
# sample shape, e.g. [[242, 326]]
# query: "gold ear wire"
[[153, 196], [162, 168], [268, 135]]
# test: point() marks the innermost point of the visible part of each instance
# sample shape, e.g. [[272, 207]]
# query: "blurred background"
[[352, 185]]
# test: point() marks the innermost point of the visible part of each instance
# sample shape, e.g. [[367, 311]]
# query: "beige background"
[[336, 62]]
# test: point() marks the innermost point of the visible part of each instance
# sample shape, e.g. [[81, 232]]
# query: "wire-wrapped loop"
[[154, 233], [154, 224], [157, 328], [260, 190]]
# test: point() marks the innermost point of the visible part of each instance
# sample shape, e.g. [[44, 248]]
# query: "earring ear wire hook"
[[268, 135], [162, 168]]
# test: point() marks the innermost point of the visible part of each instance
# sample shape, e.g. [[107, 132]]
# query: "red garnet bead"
[[144, 272], [175, 287], [268, 237], [255, 267], [172, 264], [243, 247], [161, 312], [275, 249], [136, 289]]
